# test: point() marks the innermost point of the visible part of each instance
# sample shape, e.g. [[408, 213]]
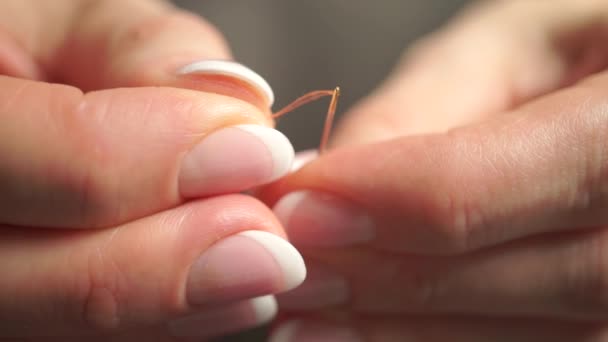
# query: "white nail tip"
[[285, 254], [285, 332], [233, 69], [302, 158], [225, 318], [284, 208], [264, 308], [278, 145]]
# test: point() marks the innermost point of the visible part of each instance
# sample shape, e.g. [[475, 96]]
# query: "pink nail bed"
[[248, 264], [233, 159], [322, 220]]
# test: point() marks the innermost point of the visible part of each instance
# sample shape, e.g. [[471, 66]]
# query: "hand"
[[140, 165], [466, 200]]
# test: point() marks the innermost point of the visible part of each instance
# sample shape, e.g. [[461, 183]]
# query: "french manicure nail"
[[231, 69], [302, 158], [321, 289], [322, 220], [226, 319], [297, 331], [233, 159], [244, 265]]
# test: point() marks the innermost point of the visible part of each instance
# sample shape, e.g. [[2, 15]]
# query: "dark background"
[[299, 46]]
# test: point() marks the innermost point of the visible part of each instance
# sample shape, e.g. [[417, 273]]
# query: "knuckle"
[[145, 29], [169, 22], [457, 212], [101, 285], [88, 178], [451, 222]]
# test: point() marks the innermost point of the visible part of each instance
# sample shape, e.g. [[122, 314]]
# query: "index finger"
[[536, 170], [104, 44], [106, 157]]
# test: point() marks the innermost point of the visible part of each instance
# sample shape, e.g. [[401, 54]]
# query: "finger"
[[489, 59], [26, 50], [74, 160], [150, 271], [231, 319], [211, 322], [150, 43], [538, 169], [561, 277], [425, 329], [109, 44]]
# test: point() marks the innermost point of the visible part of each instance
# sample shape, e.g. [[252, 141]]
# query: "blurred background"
[[299, 46]]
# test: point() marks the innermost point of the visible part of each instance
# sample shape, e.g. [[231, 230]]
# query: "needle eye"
[[312, 96]]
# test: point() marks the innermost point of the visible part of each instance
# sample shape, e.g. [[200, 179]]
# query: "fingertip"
[[223, 272], [225, 319], [307, 331], [285, 254], [285, 332], [302, 158], [230, 69], [278, 145], [235, 158], [265, 308], [318, 219]]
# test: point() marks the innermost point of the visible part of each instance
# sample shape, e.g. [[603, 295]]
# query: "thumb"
[[75, 160]]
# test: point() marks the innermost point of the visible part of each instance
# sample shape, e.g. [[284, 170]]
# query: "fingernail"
[[226, 319], [321, 220], [231, 69], [302, 158], [321, 289], [233, 159], [245, 265], [297, 331]]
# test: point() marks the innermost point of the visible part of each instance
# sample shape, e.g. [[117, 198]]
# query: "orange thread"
[[312, 96]]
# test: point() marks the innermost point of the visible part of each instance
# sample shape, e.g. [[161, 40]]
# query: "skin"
[[538, 209], [484, 171], [63, 280]]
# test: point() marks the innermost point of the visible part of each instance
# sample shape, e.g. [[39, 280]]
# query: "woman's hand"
[[153, 129], [467, 199]]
